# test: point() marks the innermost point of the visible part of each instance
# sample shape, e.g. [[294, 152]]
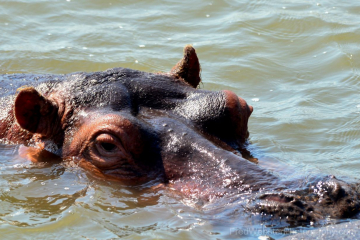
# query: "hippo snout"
[[328, 197]]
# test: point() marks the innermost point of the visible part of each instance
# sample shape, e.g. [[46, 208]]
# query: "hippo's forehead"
[[123, 88], [93, 91]]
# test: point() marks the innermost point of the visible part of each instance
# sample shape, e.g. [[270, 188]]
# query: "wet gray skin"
[[131, 126]]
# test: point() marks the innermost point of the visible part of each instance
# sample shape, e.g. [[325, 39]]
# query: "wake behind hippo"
[[132, 126]]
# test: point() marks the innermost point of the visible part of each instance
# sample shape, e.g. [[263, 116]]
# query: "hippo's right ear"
[[34, 112], [188, 68]]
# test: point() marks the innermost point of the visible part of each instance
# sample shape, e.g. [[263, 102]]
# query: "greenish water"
[[296, 62]]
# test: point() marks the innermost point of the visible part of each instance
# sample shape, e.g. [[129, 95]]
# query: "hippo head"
[[131, 125]]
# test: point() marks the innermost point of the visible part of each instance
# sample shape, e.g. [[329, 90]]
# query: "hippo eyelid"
[[109, 131]]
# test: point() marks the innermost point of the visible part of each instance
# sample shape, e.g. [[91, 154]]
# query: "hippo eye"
[[107, 144], [106, 151]]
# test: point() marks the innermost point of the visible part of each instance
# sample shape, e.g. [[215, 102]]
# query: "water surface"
[[296, 62]]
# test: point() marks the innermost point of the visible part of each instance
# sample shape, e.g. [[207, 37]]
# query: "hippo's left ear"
[[188, 68], [36, 113]]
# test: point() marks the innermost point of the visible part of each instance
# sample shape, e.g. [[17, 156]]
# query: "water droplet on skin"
[[226, 182]]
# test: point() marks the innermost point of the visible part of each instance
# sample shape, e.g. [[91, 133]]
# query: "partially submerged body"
[[131, 126]]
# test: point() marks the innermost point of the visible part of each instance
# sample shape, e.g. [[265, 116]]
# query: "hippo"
[[132, 127]]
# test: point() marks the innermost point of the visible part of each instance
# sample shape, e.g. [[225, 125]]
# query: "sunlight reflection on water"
[[296, 62]]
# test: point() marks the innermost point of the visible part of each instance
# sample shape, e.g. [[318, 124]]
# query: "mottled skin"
[[132, 126]]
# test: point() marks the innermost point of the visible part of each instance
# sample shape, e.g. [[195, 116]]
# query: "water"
[[296, 62]]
